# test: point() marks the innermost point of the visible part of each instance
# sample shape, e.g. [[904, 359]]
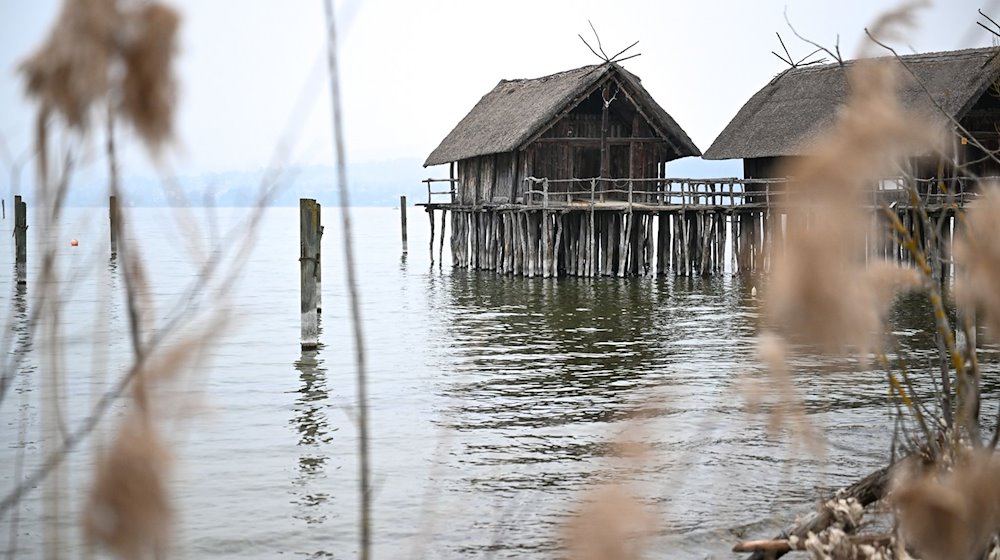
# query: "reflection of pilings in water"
[[17, 348], [311, 422], [543, 359], [108, 313], [22, 346]]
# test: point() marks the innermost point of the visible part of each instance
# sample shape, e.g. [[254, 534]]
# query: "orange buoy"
[[74, 242]]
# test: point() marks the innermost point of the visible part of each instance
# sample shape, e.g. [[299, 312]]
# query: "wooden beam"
[[567, 110], [614, 141], [605, 151]]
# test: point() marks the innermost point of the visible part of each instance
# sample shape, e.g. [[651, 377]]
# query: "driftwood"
[[778, 547], [866, 491]]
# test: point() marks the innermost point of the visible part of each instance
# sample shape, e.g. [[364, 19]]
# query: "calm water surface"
[[495, 401]]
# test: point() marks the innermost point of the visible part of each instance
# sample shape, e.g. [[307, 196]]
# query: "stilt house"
[[591, 122], [782, 119]]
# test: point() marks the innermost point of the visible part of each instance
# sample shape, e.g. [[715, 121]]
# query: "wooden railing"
[[714, 193], [452, 186], [727, 192]]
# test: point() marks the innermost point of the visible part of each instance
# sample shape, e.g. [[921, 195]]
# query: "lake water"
[[494, 401]]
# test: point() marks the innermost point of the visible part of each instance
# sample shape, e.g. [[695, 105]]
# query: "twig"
[[792, 64], [995, 34], [787, 54], [621, 52], [980, 10], [352, 287], [835, 55], [803, 59], [591, 48], [630, 57], [598, 37]]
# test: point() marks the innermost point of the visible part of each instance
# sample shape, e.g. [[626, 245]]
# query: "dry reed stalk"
[[129, 508], [823, 293], [354, 298], [68, 75]]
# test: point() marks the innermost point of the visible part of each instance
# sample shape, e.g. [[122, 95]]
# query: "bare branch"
[[803, 59], [788, 62], [621, 52], [995, 34], [598, 37], [835, 55], [788, 55], [990, 20], [589, 47], [628, 57]]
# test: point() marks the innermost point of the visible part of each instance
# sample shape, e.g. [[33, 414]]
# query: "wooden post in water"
[[21, 240], [444, 214], [308, 251], [113, 219], [3, 207], [402, 219], [319, 259], [430, 215]]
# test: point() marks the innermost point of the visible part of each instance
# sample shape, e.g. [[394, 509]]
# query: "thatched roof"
[[511, 114], [782, 118]]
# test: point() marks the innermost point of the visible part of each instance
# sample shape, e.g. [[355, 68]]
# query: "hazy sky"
[[411, 69]]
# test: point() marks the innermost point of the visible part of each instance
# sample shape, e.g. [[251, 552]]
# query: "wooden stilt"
[[591, 244], [648, 244], [430, 216], [624, 235], [20, 240], [402, 220], [113, 220], [532, 243], [607, 247], [444, 215], [560, 218], [319, 258], [309, 248]]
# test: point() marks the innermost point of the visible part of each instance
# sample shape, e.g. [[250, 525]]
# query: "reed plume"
[[948, 510], [977, 254], [610, 525], [77, 65], [823, 292]]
